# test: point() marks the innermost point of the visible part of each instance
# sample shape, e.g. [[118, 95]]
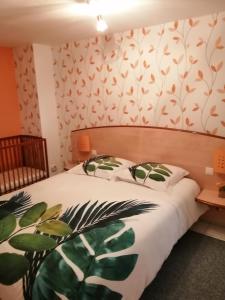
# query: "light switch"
[[209, 171]]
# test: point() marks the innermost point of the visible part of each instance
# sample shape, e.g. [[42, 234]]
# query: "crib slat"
[[2, 189], [23, 160], [12, 160]]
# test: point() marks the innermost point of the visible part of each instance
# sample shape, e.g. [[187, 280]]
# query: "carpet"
[[195, 270]]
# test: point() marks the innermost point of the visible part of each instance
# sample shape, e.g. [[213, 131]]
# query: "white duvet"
[[156, 232]]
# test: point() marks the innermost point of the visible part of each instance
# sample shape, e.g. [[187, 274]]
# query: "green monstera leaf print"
[[58, 273], [103, 162], [150, 170]]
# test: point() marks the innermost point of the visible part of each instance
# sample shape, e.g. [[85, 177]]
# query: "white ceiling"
[[57, 21]]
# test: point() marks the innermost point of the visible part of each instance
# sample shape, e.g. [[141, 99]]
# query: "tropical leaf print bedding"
[[58, 276], [156, 176], [153, 171], [64, 251], [103, 162], [83, 237]]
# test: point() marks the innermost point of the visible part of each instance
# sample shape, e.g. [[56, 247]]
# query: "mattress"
[[18, 177], [154, 234]]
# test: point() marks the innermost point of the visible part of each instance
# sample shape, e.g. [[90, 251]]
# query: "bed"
[[23, 161], [154, 233], [117, 260]]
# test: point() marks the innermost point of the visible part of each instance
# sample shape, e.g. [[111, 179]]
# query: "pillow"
[[156, 176], [104, 166]]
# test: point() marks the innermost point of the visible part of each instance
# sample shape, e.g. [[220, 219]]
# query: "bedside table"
[[71, 165], [210, 197]]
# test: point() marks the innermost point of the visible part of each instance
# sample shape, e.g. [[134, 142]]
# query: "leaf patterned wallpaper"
[[27, 90], [170, 75]]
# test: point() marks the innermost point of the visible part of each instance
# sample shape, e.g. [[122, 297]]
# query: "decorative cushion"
[[153, 175], [104, 166]]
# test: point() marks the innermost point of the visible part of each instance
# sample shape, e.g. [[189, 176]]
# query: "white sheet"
[[156, 232], [17, 177]]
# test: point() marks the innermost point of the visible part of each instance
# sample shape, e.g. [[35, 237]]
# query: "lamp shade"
[[219, 161], [83, 143]]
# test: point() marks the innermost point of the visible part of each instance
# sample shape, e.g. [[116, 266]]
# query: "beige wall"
[[27, 90]]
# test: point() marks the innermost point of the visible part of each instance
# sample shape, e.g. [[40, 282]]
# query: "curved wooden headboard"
[[193, 151]]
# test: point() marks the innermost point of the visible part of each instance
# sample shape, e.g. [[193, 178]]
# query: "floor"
[[209, 229]]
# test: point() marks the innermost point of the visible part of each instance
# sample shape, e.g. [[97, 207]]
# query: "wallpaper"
[[170, 75], [27, 90]]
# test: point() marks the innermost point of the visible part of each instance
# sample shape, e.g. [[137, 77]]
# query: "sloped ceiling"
[[56, 21]]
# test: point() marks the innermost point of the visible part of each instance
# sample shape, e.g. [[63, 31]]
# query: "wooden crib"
[[23, 161]]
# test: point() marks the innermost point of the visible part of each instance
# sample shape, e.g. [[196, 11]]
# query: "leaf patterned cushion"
[[153, 175], [104, 166]]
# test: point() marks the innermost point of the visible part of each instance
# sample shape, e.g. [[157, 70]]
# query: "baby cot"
[[23, 161]]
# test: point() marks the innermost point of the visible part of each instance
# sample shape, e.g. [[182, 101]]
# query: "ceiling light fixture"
[[101, 25], [96, 7]]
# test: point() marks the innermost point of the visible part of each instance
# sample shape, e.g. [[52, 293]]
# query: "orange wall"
[[9, 104]]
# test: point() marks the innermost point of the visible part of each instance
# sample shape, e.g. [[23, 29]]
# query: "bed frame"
[[23, 161], [191, 150]]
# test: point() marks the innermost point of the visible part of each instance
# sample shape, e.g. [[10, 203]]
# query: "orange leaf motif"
[[175, 26], [192, 60], [131, 34], [189, 89], [145, 121], [133, 120], [201, 42], [125, 56], [176, 39], [145, 31], [200, 75], [99, 69], [144, 92], [175, 121], [110, 119], [216, 68], [173, 101], [133, 66], [193, 23], [109, 69], [218, 44], [196, 107], [91, 77], [131, 91], [146, 65], [163, 111], [213, 23], [151, 49], [184, 75], [221, 91], [108, 92], [125, 110], [140, 78], [172, 91], [188, 123], [100, 118], [213, 112], [124, 75], [165, 50], [152, 79], [114, 81], [166, 71]]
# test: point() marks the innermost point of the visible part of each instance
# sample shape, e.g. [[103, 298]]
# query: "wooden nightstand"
[[210, 197], [71, 165]]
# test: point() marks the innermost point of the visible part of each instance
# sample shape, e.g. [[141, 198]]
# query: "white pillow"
[[104, 166], [153, 175]]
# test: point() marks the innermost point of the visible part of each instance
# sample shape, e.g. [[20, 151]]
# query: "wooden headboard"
[[193, 151]]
